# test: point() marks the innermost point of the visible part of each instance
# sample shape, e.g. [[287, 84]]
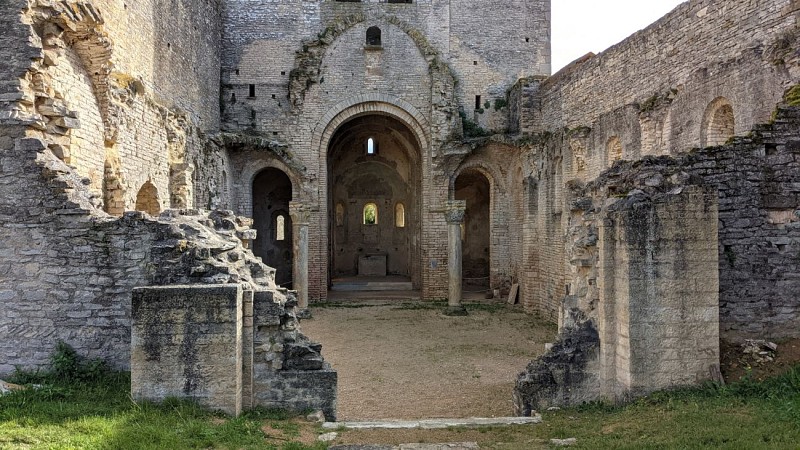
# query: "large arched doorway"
[[272, 192], [472, 186], [374, 169]]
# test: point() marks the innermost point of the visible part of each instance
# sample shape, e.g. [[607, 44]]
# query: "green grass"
[[81, 404], [744, 415], [100, 415]]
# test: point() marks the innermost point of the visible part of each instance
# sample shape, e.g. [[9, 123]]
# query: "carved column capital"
[[454, 211], [300, 213]]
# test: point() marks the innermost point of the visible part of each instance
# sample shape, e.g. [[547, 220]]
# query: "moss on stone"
[[792, 96]]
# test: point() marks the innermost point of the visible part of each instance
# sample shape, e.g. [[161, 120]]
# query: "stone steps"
[[432, 424], [374, 286]]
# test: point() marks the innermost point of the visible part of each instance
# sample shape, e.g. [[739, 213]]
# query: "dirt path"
[[408, 361]]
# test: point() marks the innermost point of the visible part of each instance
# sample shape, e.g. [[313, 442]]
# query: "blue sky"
[[583, 26]]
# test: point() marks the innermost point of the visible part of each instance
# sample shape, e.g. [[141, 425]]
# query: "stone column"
[[454, 214], [301, 216]]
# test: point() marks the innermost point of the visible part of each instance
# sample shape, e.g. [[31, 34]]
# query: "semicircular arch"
[[366, 104], [250, 173], [478, 166]]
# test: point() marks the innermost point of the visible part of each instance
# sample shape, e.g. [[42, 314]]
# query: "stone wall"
[[322, 74], [226, 348], [694, 78], [86, 120], [641, 312], [739, 49]]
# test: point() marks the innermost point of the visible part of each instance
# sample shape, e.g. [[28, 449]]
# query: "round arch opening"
[[374, 174], [272, 192], [474, 187]]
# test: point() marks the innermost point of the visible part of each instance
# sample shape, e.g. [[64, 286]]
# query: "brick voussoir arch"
[[363, 104], [480, 166], [252, 170]]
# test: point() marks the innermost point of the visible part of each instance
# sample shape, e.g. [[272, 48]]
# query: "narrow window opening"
[[339, 215], [237, 71], [374, 36], [527, 39], [400, 215], [477, 102], [771, 149], [370, 214], [252, 90], [280, 228], [370, 146]]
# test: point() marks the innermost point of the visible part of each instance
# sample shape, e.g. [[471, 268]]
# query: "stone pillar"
[[454, 214], [301, 216]]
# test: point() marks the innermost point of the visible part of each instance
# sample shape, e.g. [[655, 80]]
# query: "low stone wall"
[[226, 349]]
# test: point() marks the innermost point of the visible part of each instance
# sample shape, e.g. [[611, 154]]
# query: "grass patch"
[[73, 410], [742, 415]]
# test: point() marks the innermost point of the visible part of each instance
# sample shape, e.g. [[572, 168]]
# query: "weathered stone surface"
[[565, 375], [106, 109], [186, 342]]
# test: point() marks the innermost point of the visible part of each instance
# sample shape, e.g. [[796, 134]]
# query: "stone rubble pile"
[[206, 248], [759, 351]]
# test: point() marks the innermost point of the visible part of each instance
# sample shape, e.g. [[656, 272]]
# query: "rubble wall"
[[82, 127], [641, 313], [658, 93]]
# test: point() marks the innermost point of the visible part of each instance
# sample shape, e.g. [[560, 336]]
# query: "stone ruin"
[[215, 328], [646, 199]]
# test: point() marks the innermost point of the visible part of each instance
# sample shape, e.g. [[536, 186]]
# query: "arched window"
[[374, 36], [280, 228], [718, 123], [400, 215], [371, 147], [614, 149], [339, 215], [370, 214], [147, 199]]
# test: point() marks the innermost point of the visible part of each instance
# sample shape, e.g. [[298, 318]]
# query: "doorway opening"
[[473, 186], [272, 192], [374, 168]]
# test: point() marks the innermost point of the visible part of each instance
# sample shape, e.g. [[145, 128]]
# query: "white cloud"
[[583, 26]]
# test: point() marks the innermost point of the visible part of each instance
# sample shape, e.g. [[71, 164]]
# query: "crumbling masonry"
[[646, 198]]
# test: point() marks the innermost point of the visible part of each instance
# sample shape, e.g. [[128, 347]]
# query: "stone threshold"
[[431, 424]]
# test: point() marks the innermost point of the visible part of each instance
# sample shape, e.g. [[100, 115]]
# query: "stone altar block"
[[372, 266]]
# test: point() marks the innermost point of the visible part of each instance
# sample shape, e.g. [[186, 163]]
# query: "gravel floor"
[[408, 361]]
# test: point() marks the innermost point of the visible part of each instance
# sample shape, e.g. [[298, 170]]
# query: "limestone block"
[[186, 342]]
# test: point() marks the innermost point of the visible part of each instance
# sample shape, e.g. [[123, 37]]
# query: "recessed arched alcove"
[[272, 192], [147, 199], [473, 187], [718, 123]]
